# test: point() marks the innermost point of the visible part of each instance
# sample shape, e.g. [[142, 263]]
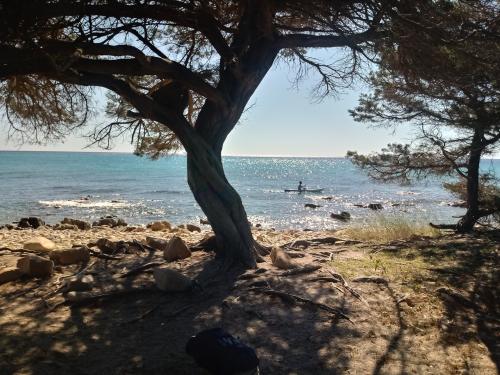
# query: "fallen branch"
[[150, 311], [103, 256], [301, 270], [347, 287], [292, 298], [324, 278], [141, 268], [443, 226]]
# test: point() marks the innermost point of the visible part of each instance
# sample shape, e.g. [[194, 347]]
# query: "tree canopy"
[[179, 73], [439, 73]]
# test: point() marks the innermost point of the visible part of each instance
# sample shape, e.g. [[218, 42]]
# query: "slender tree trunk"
[[223, 207], [467, 222]]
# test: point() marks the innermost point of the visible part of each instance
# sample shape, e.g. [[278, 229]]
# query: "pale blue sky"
[[280, 121]]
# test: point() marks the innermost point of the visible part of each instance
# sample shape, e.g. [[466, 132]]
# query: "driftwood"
[[100, 255], [301, 270], [292, 299], [444, 226], [297, 244], [324, 278], [88, 299], [141, 268]]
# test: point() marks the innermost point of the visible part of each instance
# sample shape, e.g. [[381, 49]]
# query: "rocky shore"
[[120, 299]]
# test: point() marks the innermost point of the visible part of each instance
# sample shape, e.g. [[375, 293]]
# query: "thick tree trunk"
[[467, 222], [224, 209]]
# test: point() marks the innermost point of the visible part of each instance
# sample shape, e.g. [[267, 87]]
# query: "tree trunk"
[[467, 222], [223, 207]]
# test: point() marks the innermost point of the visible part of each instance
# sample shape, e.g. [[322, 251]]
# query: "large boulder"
[[106, 246], [110, 221], [65, 227], [35, 266], [193, 228], [170, 280], [281, 259], [176, 249], [9, 274], [311, 205], [342, 216], [30, 222], [78, 284], [82, 225], [39, 244], [70, 256], [159, 225], [157, 243]]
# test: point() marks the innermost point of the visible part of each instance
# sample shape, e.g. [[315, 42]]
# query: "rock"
[[65, 227], [70, 256], [35, 266], [327, 198], [78, 284], [82, 225], [462, 204], [193, 228], [110, 221], [204, 222], [157, 243], [258, 225], [9, 226], [176, 249], [39, 244], [159, 225], [359, 205], [106, 246], [375, 206], [342, 216], [77, 296], [311, 205], [281, 259], [30, 222], [9, 274], [170, 280]]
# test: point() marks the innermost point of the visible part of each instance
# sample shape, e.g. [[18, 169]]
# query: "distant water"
[[51, 185]]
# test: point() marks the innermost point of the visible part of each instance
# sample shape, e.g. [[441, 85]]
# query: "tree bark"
[[467, 222], [223, 207]]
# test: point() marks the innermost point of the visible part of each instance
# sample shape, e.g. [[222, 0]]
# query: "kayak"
[[304, 190]]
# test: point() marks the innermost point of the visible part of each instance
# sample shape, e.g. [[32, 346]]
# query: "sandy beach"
[[355, 307]]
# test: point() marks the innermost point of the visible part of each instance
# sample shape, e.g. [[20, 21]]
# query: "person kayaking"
[[300, 187]]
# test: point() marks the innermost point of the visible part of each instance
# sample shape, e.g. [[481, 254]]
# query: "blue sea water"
[[51, 184]]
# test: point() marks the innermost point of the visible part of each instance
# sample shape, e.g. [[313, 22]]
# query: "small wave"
[[408, 193], [85, 203]]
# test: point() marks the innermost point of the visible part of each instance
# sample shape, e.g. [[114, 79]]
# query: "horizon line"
[[177, 154]]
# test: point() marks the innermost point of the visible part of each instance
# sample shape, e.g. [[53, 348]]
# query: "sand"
[[402, 325]]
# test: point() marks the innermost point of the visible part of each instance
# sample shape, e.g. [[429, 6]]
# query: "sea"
[[54, 185]]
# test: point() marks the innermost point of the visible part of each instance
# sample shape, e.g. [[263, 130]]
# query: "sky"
[[280, 121]]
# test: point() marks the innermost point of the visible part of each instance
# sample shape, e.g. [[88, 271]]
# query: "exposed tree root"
[[292, 299]]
